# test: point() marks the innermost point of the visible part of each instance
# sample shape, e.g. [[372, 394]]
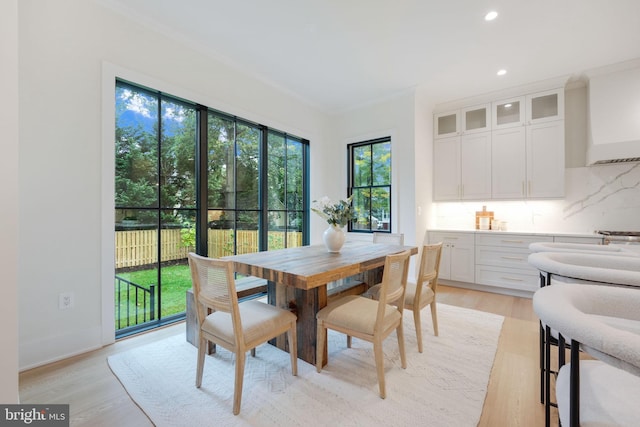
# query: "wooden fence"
[[140, 247]]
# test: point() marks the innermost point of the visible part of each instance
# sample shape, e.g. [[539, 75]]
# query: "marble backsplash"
[[602, 197]]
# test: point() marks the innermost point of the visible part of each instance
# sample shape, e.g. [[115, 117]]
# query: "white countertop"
[[616, 250], [509, 232]]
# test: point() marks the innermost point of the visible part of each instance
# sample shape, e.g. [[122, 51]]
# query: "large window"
[[370, 184], [189, 178]]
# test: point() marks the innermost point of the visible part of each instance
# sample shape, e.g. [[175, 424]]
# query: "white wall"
[[392, 117], [64, 49], [9, 196]]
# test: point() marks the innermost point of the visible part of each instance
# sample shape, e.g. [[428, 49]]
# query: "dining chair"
[[423, 291], [236, 327], [388, 238], [367, 319]]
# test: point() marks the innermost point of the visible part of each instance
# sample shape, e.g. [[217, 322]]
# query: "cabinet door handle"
[[513, 279], [529, 193], [512, 241], [512, 257], [523, 188]]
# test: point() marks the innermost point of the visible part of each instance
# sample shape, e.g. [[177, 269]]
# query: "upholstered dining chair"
[[604, 322], [423, 291], [368, 319], [389, 238], [236, 327]]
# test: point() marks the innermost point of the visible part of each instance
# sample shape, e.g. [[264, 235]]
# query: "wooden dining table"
[[298, 277]]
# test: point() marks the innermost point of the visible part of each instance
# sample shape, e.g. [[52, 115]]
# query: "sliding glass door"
[[192, 179]]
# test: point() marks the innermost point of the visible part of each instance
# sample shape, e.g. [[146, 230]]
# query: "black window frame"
[[351, 187], [201, 208]]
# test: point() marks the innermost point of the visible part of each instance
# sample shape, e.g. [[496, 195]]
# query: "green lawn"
[[175, 281]]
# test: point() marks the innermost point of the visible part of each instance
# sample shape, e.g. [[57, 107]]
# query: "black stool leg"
[[547, 373]]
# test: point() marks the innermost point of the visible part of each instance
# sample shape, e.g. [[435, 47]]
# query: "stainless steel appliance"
[[620, 237]]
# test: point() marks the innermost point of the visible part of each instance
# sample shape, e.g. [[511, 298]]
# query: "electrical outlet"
[[65, 300]]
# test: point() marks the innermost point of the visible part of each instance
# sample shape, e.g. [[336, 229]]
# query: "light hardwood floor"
[[97, 398]]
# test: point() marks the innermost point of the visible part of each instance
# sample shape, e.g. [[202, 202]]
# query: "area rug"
[[443, 386]]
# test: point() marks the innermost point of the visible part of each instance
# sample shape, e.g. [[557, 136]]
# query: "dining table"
[[297, 280]]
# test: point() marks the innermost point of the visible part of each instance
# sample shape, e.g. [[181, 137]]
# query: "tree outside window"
[[370, 184]]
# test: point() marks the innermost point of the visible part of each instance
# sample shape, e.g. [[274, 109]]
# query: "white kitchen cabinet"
[[508, 160], [545, 160], [528, 161], [467, 120], [475, 119], [508, 113], [538, 107], [457, 260], [507, 149], [462, 167], [502, 260], [545, 106], [446, 168], [446, 124]]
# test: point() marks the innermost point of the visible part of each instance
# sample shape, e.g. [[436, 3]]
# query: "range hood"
[[614, 114]]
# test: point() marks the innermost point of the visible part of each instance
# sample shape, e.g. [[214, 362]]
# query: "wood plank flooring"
[[97, 398]]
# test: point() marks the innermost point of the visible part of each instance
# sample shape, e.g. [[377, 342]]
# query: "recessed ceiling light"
[[502, 72], [491, 16]]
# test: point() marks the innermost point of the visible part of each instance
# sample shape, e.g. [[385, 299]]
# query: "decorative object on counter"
[[484, 222], [495, 224], [483, 214], [503, 225], [337, 214]]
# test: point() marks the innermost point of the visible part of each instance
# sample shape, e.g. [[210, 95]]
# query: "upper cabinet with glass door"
[[545, 106], [531, 109], [446, 124], [464, 121], [508, 112], [476, 119]]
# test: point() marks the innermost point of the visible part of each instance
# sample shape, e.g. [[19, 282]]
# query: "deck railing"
[[137, 302]]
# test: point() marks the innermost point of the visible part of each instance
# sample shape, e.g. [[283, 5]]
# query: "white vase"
[[333, 238]]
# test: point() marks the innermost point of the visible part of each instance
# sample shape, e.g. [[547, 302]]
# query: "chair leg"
[[574, 385], [320, 343], [202, 346], [434, 317], [418, 323], [253, 352], [348, 341], [379, 356], [547, 376], [237, 392], [292, 336], [403, 355]]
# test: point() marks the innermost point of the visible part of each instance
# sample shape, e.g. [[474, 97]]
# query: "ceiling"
[[342, 54]]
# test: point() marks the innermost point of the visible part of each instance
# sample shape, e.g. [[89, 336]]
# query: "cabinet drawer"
[[510, 240], [465, 239], [503, 257], [511, 278]]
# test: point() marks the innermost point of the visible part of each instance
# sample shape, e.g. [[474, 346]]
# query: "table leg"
[[305, 305]]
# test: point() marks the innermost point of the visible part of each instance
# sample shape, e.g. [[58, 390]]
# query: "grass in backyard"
[[176, 279]]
